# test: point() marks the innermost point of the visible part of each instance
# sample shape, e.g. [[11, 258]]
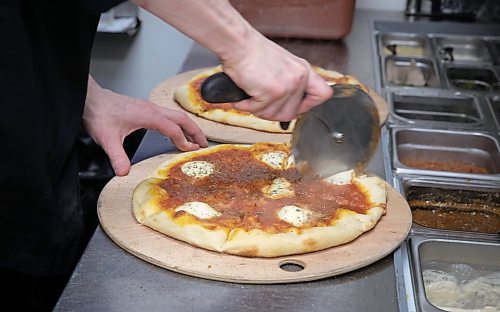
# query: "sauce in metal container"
[[453, 166], [457, 210]]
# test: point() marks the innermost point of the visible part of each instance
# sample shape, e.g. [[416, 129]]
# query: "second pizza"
[[188, 96]]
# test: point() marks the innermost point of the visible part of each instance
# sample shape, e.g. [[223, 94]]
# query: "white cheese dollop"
[[290, 161], [295, 215], [199, 209], [275, 160], [279, 188], [198, 169], [341, 178]]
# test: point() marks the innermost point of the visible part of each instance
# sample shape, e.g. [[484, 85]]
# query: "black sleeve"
[[97, 6]]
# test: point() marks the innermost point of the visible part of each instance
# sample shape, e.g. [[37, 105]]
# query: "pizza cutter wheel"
[[340, 134]]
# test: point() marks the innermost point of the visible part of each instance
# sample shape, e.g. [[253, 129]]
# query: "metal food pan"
[[440, 109], [461, 50], [494, 46], [406, 45], [428, 151], [494, 103], [455, 274], [471, 78], [397, 71], [452, 207]]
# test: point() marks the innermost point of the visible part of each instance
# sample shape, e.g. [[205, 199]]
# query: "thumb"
[[118, 157]]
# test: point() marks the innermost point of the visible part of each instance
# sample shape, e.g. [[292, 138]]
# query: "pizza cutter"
[[340, 134]]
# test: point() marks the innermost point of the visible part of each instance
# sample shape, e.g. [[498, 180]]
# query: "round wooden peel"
[[117, 220], [163, 95]]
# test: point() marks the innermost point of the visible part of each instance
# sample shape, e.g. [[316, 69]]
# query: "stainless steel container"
[[455, 273], [461, 49], [404, 45], [476, 149], [397, 71], [437, 108], [468, 78]]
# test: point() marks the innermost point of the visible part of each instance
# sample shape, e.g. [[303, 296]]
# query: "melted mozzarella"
[[275, 160], [290, 162], [279, 188], [295, 215], [341, 178], [199, 209], [198, 169]]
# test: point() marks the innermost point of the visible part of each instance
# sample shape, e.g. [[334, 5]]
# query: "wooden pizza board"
[[163, 95], [117, 220]]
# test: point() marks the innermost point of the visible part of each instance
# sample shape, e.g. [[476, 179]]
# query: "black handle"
[[220, 88]]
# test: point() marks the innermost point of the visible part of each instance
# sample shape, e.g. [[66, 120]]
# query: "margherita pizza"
[[250, 200], [189, 97]]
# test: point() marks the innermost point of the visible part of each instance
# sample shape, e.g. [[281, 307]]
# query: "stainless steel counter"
[[108, 278]]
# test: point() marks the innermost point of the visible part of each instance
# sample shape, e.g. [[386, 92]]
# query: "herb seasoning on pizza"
[[189, 97], [250, 200]]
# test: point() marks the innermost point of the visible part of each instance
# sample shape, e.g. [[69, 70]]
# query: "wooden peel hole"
[[292, 265]]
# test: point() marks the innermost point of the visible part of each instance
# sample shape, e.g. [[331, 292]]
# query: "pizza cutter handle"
[[220, 88]]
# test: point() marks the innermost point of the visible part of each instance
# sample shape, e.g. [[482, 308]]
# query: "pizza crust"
[[193, 234], [144, 199], [345, 227], [258, 243]]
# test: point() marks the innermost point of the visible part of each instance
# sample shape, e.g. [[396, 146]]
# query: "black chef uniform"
[[45, 49]]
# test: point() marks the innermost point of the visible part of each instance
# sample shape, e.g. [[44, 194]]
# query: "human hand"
[[109, 117], [281, 85]]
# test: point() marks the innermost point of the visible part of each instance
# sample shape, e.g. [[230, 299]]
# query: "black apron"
[[45, 49]]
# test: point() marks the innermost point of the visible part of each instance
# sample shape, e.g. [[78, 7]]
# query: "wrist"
[[236, 42], [229, 35]]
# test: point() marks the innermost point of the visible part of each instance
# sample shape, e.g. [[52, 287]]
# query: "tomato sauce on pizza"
[[236, 190]]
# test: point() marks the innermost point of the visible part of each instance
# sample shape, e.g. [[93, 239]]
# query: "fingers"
[[279, 97], [281, 87], [117, 155], [287, 107], [284, 104], [317, 92], [182, 131]]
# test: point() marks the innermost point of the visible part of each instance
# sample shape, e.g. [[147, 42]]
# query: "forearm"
[[214, 24]]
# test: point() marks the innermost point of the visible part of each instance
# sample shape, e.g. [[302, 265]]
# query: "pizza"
[[250, 200], [188, 96]]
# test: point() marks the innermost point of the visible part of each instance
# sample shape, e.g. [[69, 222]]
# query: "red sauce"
[[453, 166], [484, 222], [235, 189]]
